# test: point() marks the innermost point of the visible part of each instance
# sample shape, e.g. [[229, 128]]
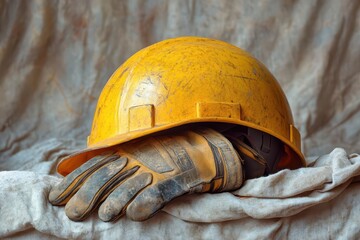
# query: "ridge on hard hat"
[[187, 80]]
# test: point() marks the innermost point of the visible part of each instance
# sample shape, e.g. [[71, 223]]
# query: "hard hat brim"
[[71, 162]]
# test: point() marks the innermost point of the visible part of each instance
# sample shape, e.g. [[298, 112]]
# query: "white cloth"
[[56, 56], [318, 202]]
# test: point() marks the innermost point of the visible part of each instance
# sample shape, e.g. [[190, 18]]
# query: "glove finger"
[[62, 192], [153, 198], [98, 186], [114, 205]]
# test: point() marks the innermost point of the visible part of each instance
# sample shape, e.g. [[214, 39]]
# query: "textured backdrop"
[[56, 56]]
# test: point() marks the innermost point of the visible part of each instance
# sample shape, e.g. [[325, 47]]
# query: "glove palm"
[[142, 176]]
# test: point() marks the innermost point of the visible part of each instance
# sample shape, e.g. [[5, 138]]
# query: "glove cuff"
[[229, 171]]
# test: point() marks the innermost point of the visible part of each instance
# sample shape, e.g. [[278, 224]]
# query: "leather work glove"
[[140, 177]]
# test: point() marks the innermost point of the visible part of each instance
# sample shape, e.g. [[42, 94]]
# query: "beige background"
[[56, 56]]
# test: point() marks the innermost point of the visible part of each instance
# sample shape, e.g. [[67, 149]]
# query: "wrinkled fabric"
[[283, 194], [56, 56], [289, 204]]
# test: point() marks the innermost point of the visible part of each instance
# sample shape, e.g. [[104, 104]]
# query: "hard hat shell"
[[187, 80]]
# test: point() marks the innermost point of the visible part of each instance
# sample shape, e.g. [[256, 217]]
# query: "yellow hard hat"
[[187, 80]]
